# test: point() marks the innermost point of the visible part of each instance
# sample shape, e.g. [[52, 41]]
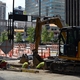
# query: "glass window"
[[72, 36]]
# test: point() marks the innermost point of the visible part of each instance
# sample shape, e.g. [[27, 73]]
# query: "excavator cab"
[[69, 46], [68, 60]]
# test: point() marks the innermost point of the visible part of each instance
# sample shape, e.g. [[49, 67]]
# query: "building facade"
[[19, 23], [48, 7], [2, 11], [72, 12], [19, 10], [3, 26]]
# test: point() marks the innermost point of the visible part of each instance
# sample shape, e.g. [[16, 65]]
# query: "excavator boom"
[[38, 29]]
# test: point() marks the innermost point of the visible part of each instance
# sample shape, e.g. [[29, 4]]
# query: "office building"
[[19, 10], [2, 11], [3, 26], [48, 7], [72, 12]]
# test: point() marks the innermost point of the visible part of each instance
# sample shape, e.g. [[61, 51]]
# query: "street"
[[42, 75]]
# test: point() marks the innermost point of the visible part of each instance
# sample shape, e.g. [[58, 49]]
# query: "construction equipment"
[[68, 59]]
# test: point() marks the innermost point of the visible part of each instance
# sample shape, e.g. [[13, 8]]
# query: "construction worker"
[[41, 65], [25, 65]]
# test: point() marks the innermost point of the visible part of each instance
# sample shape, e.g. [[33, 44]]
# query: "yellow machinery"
[[68, 59]]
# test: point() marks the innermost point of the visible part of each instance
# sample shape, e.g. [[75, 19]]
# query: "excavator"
[[68, 58]]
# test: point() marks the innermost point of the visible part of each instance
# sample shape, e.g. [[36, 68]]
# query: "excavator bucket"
[[36, 58], [24, 58]]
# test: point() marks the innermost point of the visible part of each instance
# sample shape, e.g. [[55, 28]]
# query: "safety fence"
[[22, 48]]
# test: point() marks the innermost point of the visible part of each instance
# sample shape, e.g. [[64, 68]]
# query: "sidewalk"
[[16, 64]]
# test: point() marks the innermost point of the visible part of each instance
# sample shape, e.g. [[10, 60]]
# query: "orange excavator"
[[68, 59]]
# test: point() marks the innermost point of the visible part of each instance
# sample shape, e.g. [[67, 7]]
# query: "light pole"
[[39, 8], [13, 13], [40, 13], [13, 17], [13, 28], [13, 23], [46, 10]]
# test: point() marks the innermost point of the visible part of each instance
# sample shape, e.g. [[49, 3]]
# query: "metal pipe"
[[13, 11], [39, 8], [13, 22]]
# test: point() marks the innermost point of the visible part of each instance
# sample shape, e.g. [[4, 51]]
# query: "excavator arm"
[[38, 29]]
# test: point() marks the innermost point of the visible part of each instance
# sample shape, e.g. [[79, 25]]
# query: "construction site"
[[32, 58], [38, 61]]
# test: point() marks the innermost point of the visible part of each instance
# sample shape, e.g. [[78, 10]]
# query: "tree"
[[3, 36], [50, 36], [44, 35], [30, 32], [18, 37]]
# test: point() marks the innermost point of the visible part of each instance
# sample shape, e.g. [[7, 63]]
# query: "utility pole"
[[40, 13], [39, 8], [46, 10], [13, 17], [12, 28]]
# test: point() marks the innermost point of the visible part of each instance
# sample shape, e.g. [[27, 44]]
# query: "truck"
[[68, 58]]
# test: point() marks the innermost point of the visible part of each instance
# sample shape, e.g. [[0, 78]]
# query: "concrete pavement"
[[9, 75]]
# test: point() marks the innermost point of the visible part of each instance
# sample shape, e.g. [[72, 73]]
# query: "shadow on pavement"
[[1, 78]]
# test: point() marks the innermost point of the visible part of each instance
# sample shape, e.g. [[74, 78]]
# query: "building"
[[3, 26], [19, 22], [72, 12], [48, 7], [19, 10], [2, 11], [3, 21]]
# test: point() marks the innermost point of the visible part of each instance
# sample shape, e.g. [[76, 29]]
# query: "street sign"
[[6, 46], [18, 17]]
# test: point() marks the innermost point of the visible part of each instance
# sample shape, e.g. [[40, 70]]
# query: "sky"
[[9, 5]]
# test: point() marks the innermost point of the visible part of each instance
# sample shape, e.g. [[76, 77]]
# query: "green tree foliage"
[[50, 36], [30, 32], [18, 37], [46, 36], [3, 36]]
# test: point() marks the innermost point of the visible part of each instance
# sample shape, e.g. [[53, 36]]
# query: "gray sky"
[[16, 4]]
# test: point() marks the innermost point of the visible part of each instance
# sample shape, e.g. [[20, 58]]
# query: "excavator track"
[[65, 67]]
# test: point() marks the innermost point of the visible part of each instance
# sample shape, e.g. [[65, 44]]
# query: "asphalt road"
[[10, 75]]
